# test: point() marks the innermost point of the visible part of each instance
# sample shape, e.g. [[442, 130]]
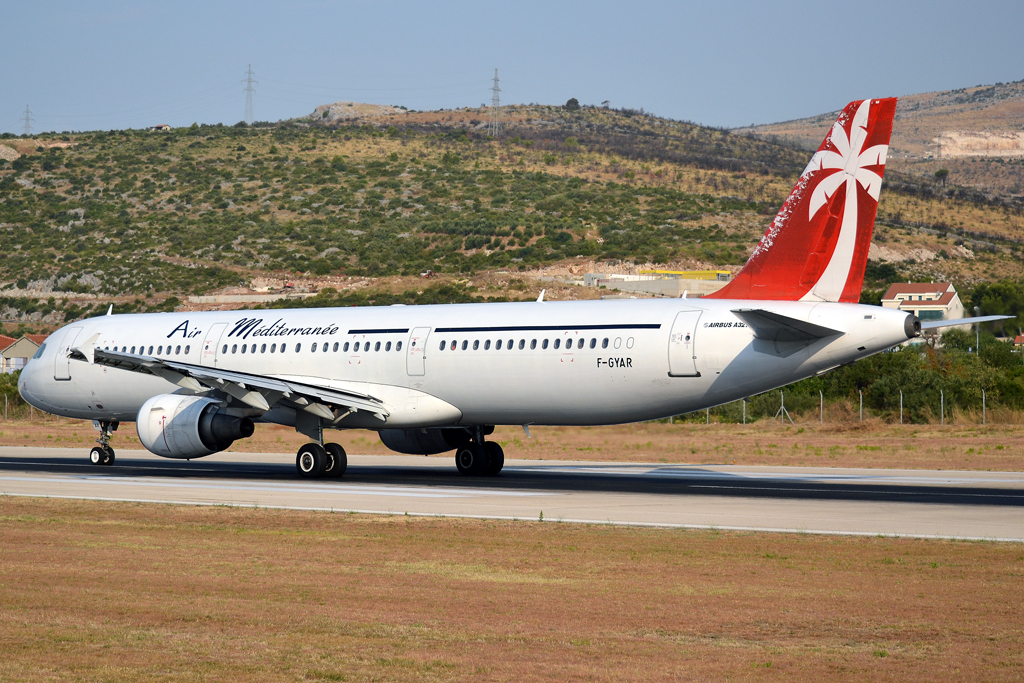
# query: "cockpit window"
[[39, 352]]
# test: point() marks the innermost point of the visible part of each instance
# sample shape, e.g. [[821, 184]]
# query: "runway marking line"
[[602, 522]]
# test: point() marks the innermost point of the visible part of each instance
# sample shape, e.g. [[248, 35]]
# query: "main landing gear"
[[480, 459], [103, 454], [314, 461]]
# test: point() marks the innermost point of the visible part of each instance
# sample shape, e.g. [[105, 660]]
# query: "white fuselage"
[[639, 359]]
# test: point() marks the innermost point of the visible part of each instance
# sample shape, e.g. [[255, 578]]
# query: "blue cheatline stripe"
[[551, 328], [380, 331]]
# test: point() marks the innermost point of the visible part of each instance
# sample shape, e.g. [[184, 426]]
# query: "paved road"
[[976, 505]]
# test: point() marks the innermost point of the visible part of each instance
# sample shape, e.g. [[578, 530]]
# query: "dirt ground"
[[847, 444], [125, 592]]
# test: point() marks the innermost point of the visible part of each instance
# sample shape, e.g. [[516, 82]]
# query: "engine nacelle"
[[183, 427], [424, 441]]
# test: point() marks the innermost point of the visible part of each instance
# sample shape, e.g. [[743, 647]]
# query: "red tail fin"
[[816, 249]]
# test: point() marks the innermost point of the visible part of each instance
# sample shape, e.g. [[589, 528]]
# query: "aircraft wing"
[[257, 391], [934, 324], [781, 328]]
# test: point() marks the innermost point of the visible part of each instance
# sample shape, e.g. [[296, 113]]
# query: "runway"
[[915, 503]]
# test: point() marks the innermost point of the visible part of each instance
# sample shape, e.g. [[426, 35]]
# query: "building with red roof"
[[926, 300]]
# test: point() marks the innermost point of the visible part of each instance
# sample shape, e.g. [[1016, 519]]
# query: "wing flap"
[[258, 391], [781, 328]]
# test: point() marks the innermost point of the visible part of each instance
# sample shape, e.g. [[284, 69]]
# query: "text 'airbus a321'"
[[432, 379]]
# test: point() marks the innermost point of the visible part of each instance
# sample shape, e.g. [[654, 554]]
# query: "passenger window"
[[345, 348], [497, 345], [629, 343], [224, 350], [160, 351], [243, 348], [356, 347], [604, 343], [283, 347], [273, 348], [618, 342], [376, 347], [557, 343], [533, 344], [298, 347], [398, 346], [314, 347], [465, 344], [263, 349], [186, 349], [522, 344], [593, 342], [487, 345], [510, 342], [441, 348], [454, 344], [544, 344], [133, 349], [335, 347], [476, 344], [387, 347], [177, 350], [579, 345], [234, 348]]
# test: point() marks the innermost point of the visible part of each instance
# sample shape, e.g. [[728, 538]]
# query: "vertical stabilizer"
[[816, 249]]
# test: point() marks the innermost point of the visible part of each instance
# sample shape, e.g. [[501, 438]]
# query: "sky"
[[104, 64]]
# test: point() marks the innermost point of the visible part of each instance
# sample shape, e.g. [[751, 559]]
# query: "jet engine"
[[181, 427], [424, 441]]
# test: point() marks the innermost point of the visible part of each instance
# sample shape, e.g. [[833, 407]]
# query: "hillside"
[[366, 204], [977, 134]]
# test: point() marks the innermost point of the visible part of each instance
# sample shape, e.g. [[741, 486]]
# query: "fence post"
[[671, 419], [942, 407], [5, 406], [744, 411], [861, 392], [708, 410], [821, 413], [901, 406], [983, 416]]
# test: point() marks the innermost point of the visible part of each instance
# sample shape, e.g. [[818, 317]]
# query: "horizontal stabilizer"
[[780, 328], [935, 324]]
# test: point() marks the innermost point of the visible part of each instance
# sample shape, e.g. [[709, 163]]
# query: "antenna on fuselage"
[[540, 299]]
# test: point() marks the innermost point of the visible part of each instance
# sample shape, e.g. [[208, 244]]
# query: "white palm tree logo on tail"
[[847, 165]]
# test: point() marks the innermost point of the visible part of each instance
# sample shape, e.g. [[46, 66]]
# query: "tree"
[[941, 175], [572, 105]]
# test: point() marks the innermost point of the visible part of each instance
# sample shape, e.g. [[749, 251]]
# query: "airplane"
[[436, 379]]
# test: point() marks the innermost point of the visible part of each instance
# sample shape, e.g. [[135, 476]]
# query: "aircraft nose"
[[28, 383]]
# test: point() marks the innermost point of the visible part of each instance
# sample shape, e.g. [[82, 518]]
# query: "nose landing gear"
[[103, 454]]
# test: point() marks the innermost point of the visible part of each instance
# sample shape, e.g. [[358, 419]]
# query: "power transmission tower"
[[495, 127], [28, 121], [249, 90]]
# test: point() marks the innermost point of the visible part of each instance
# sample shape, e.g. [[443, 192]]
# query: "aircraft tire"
[[471, 459], [108, 456], [337, 461], [311, 460], [495, 458], [96, 455]]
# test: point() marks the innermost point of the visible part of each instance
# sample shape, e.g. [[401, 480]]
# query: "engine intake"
[[185, 427]]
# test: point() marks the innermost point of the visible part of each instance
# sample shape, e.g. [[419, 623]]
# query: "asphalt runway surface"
[[916, 503]]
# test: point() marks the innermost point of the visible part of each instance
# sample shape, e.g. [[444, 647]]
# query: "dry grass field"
[[963, 445], [94, 591]]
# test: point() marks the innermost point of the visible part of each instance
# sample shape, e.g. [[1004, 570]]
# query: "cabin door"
[[61, 362], [682, 345], [210, 350]]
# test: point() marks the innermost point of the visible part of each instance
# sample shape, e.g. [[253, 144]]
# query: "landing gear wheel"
[[108, 456], [471, 459], [495, 458], [311, 460], [97, 455], [337, 460]]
